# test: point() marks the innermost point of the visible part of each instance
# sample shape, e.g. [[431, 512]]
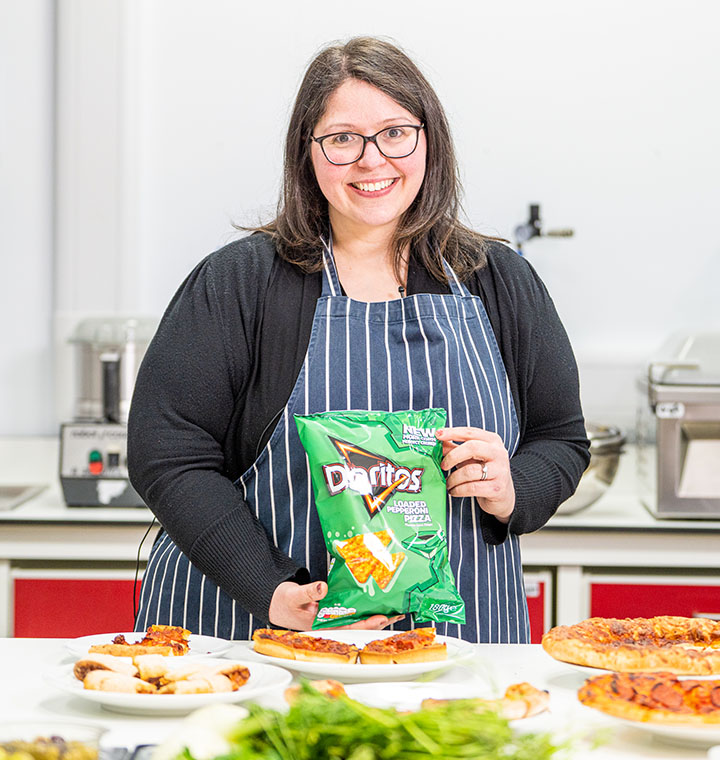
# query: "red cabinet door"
[[68, 607], [647, 597], [538, 590]]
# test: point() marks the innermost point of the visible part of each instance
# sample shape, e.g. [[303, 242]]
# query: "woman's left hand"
[[481, 469]]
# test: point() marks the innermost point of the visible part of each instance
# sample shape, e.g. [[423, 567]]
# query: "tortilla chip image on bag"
[[381, 498]]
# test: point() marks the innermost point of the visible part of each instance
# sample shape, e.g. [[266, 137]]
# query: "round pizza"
[[654, 697], [689, 646]]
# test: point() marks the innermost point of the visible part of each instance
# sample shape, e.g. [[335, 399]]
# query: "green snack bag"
[[380, 495]]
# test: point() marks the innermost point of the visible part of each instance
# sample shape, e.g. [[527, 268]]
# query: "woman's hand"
[[294, 606], [481, 469]]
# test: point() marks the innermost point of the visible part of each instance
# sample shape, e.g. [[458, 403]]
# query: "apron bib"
[[421, 351]]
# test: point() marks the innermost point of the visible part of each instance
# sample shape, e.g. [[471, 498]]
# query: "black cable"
[[137, 572]]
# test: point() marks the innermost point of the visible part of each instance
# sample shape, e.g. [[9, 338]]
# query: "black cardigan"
[[225, 359]]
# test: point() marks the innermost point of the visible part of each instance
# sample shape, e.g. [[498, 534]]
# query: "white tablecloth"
[[24, 694]]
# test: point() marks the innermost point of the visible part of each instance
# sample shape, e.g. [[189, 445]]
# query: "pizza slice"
[[298, 646], [274, 642], [174, 636], [159, 639], [659, 697], [521, 700], [328, 686], [418, 645]]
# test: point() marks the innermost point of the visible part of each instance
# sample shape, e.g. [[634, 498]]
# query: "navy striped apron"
[[421, 351]]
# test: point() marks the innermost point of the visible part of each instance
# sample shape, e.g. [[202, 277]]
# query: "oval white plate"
[[586, 670], [458, 650], [589, 672], [263, 679], [200, 646], [685, 736], [408, 696]]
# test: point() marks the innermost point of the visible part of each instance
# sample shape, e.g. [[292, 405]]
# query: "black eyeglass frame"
[[366, 139]]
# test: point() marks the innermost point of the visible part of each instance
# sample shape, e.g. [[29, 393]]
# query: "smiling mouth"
[[373, 187]]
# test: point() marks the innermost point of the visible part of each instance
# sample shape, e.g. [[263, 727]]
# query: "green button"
[[95, 456]]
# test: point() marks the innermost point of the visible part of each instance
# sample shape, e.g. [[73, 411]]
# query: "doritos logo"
[[374, 478]]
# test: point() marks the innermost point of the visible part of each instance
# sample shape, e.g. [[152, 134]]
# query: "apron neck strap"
[[456, 287], [331, 281]]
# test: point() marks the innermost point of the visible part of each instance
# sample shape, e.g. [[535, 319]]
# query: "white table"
[[24, 694]]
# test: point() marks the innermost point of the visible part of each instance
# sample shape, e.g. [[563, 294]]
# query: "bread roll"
[[102, 662], [105, 680]]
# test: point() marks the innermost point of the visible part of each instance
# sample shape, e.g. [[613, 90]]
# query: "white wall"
[[605, 113], [26, 216]]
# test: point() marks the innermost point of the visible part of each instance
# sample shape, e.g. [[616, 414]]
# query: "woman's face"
[[375, 191]]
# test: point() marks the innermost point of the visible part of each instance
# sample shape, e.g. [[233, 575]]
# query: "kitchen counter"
[[616, 534], [42, 537], [23, 663], [34, 461]]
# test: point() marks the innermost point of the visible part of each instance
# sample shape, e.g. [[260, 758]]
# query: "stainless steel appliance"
[[682, 480], [93, 447]]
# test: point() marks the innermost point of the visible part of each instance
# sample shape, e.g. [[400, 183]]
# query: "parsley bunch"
[[322, 728]]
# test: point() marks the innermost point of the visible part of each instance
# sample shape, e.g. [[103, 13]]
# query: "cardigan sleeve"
[[190, 380], [553, 450]]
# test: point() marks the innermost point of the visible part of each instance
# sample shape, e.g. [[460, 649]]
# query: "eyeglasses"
[[341, 148]]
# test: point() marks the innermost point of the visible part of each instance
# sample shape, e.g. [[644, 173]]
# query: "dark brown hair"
[[430, 227]]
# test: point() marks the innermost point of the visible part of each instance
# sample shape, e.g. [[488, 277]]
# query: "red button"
[[95, 468]]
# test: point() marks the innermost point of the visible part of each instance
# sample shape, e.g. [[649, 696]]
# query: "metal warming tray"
[[683, 387]]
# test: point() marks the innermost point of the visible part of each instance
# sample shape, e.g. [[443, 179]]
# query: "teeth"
[[372, 187]]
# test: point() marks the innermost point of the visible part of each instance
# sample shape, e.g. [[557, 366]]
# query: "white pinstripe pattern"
[[288, 480], [217, 611], [447, 337], [348, 401], [368, 382], [327, 359], [390, 407], [431, 387], [187, 588], [450, 422], [201, 618], [174, 583], [271, 494], [411, 390], [486, 329]]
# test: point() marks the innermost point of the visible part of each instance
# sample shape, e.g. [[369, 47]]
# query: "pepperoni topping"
[[658, 692], [622, 688], [321, 645], [715, 697], [667, 696]]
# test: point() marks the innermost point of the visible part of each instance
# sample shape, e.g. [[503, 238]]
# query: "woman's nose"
[[372, 156]]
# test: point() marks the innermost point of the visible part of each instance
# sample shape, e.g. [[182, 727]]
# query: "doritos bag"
[[380, 494]]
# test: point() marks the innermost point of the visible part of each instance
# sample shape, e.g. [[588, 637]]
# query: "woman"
[[364, 292]]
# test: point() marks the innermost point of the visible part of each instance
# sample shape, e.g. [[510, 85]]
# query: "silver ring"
[[484, 471]]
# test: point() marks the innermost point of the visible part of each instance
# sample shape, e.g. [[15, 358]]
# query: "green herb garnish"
[[318, 727]]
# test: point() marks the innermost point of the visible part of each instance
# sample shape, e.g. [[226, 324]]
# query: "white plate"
[[458, 650], [200, 646], [408, 696], [685, 736], [590, 672], [586, 670], [263, 679]]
